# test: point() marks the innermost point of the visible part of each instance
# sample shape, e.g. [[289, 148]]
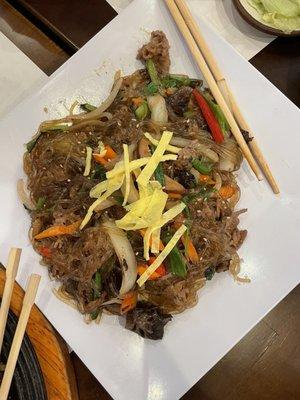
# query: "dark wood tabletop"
[[265, 364]]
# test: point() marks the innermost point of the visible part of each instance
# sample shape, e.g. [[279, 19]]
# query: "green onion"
[[177, 81], [176, 263], [204, 192], [59, 127], [209, 273], [97, 286], [30, 145], [189, 114], [204, 167], [88, 107], [152, 72], [152, 88], [119, 199], [142, 111], [99, 173], [218, 113], [40, 203], [195, 83], [158, 173]]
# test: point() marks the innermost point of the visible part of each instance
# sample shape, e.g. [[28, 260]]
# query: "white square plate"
[[128, 366]]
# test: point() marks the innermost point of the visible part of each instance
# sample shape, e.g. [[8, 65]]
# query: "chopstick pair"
[[219, 88], [30, 293]]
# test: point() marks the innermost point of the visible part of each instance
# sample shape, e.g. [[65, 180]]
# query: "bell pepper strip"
[[209, 117], [202, 166], [216, 109], [226, 191], [190, 251], [58, 230], [129, 302], [45, 251]]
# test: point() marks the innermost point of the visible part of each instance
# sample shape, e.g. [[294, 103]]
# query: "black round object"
[[28, 382]]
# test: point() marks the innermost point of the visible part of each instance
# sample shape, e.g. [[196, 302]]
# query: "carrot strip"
[[110, 153], [206, 179], [137, 101], [158, 273], [129, 302], [99, 159], [226, 191], [58, 230], [190, 249]]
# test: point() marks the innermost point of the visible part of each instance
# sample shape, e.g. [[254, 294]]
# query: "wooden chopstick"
[[227, 94], [28, 302], [212, 85], [11, 272], [253, 143]]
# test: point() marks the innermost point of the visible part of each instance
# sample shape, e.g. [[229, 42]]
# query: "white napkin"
[[18, 75], [223, 16]]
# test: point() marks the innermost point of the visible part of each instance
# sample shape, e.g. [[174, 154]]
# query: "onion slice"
[[125, 255], [105, 204], [158, 108], [106, 103]]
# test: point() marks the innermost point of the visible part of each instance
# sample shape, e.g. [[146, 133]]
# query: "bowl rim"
[[260, 25]]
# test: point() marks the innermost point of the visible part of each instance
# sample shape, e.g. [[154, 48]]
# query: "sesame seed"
[[137, 253], [68, 180], [79, 142], [61, 166]]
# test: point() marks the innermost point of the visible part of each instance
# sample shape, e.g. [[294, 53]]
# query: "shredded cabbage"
[[281, 14]]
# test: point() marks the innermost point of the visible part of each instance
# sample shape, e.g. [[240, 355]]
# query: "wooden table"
[[265, 364]]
